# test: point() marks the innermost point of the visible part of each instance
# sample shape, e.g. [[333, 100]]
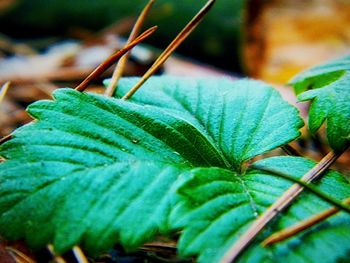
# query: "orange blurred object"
[[289, 36]]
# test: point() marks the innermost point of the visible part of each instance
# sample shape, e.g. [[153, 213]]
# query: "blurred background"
[[46, 44], [265, 39]]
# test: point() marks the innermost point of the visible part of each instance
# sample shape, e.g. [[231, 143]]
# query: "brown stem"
[[112, 59], [172, 46], [305, 224], [284, 201], [118, 71]]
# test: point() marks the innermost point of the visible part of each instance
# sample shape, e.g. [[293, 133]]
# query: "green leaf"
[[221, 205], [96, 206], [242, 118], [321, 75], [96, 170], [331, 103], [330, 96], [92, 159], [327, 242]]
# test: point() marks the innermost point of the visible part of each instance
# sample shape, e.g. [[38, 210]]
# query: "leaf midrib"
[[208, 133], [107, 109]]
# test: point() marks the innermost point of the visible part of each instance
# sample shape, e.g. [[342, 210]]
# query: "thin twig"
[[172, 46], [301, 226], [284, 201], [4, 90], [79, 255], [118, 71], [112, 59], [19, 256]]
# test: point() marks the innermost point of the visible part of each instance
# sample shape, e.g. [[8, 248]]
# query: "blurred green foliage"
[[217, 40]]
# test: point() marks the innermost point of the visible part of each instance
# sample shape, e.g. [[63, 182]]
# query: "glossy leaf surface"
[[97, 171], [242, 118], [222, 204]]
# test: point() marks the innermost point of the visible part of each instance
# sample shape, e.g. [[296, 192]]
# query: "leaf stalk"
[[311, 188], [284, 201]]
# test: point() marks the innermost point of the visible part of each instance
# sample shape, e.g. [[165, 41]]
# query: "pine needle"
[[301, 226], [79, 255], [19, 256], [172, 47], [118, 71], [284, 201], [112, 59]]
